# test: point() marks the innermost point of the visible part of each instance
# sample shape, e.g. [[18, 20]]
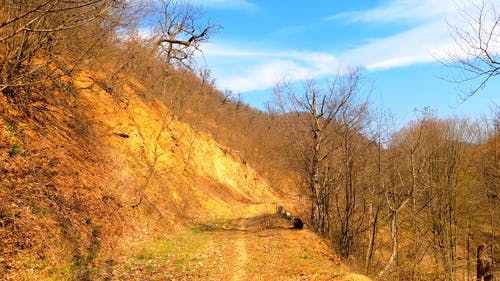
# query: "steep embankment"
[[92, 176], [155, 157], [87, 174]]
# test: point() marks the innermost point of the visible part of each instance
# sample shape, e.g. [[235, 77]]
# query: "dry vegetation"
[[408, 204], [95, 162]]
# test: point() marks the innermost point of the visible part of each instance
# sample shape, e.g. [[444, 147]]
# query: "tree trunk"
[[373, 237], [393, 231]]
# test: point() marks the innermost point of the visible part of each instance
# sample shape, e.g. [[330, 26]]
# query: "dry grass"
[[70, 187], [68, 181], [237, 249]]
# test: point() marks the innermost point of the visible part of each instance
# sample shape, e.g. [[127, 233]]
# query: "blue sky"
[[396, 43]]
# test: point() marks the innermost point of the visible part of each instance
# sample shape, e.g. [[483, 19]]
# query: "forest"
[[399, 203]]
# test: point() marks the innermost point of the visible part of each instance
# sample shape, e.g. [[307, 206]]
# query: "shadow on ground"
[[250, 225]]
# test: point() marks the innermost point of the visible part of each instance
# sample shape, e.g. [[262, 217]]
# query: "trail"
[[240, 248], [263, 247]]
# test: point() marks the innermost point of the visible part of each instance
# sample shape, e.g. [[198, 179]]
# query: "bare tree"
[[380, 135], [178, 32], [401, 186], [477, 36], [313, 117], [44, 29]]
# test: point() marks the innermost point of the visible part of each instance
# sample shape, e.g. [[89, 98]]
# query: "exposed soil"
[[263, 247], [93, 190]]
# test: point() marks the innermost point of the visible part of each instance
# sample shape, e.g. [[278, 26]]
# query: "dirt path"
[[240, 248], [255, 248]]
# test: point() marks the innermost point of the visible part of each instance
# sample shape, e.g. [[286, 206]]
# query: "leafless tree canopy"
[[477, 36], [34, 34], [324, 129], [46, 28], [178, 33]]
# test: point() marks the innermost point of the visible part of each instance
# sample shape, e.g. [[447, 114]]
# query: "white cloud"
[[243, 70], [417, 45], [401, 10], [429, 40], [264, 76], [257, 70]]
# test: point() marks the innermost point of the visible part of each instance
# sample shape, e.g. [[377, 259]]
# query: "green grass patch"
[[14, 150], [185, 244], [144, 256], [12, 128], [88, 220], [38, 210], [200, 228], [172, 254]]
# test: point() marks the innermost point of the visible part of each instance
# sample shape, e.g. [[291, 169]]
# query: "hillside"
[[90, 179], [121, 158]]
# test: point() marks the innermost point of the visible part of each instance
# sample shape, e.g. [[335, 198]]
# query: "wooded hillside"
[[109, 137]]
